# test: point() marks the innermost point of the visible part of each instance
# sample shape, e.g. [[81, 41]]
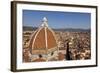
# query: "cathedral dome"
[[43, 39]]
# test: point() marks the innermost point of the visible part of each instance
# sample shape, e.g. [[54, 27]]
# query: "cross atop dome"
[[44, 22]]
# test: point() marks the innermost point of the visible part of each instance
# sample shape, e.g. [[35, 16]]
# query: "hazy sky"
[[57, 19]]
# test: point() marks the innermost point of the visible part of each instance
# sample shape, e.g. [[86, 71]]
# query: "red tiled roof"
[[40, 42], [39, 60], [51, 41], [61, 56], [43, 39]]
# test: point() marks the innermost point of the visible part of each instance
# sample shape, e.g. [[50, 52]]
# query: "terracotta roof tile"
[[43, 39]]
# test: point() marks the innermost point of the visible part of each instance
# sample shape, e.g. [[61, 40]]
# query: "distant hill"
[[73, 30], [29, 28]]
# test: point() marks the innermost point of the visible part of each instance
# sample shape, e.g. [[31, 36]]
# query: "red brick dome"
[[43, 39]]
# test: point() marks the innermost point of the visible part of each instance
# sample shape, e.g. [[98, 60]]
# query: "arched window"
[[40, 56]]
